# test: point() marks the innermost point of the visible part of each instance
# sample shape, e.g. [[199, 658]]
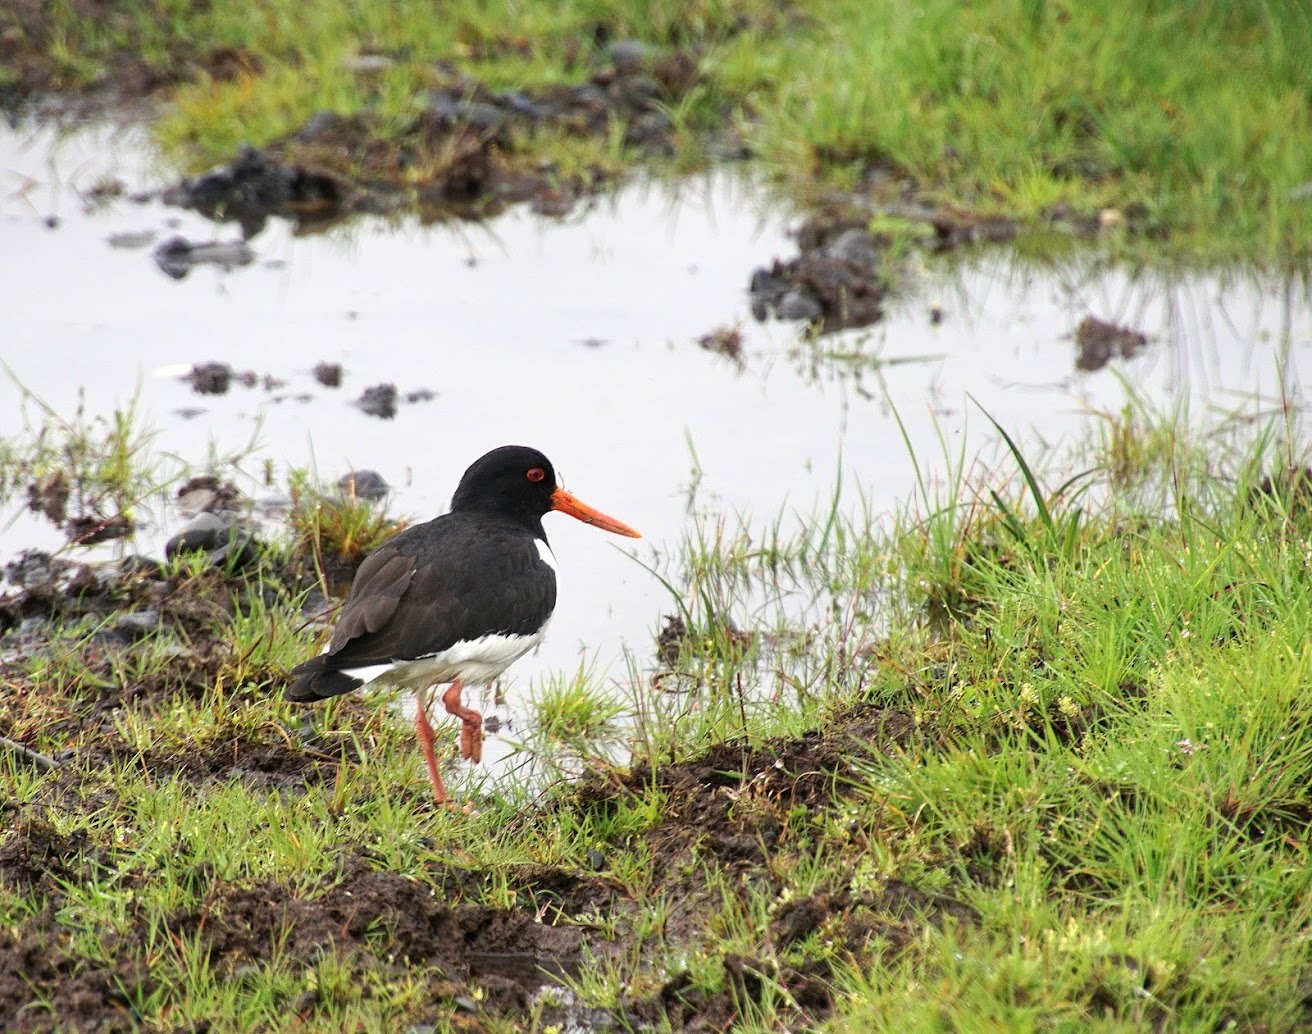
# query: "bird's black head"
[[512, 479], [520, 482]]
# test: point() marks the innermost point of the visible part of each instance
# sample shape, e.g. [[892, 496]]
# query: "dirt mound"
[[732, 804], [44, 986], [506, 954]]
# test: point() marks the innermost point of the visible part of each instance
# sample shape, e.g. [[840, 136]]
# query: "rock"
[[856, 246], [205, 531], [522, 104], [364, 484], [363, 64], [450, 111], [631, 56], [238, 552], [32, 566], [652, 131], [134, 564], [136, 624], [798, 305], [207, 492], [224, 537], [196, 500], [34, 625]]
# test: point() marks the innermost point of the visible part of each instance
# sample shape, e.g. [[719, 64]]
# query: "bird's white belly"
[[476, 661]]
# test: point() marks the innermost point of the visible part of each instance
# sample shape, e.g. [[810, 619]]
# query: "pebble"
[[204, 531], [798, 305], [364, 484]]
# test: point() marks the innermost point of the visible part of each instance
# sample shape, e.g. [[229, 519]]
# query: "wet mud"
[[467, 154], [836, 282]]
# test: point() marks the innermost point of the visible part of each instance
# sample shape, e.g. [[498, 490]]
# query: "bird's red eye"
[[536, 474]]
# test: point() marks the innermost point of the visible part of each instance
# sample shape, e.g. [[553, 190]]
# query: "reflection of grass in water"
[[1191, 118], [1094, 811], [105, 466]]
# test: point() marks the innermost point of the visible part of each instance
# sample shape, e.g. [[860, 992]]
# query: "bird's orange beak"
[[566, 503]]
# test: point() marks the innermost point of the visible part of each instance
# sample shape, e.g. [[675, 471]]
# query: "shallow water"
[[579, 337]]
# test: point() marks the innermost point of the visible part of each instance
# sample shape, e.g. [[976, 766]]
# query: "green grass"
[[1033, 754], [1190, 120]]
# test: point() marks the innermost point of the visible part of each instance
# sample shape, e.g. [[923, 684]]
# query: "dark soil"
[[507, 954], [733, 805], [46, 986]]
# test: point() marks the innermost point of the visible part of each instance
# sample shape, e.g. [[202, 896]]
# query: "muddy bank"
[[469, 153]]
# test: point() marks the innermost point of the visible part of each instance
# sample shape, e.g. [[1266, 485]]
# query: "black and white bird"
[[455, 600]]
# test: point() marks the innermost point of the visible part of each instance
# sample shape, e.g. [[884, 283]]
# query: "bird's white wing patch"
[[548, 557]]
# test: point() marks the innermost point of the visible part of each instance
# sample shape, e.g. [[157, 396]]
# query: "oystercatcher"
[[457, 599]]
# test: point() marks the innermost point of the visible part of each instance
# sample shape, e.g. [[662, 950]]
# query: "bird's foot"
[[471, 732], [471, 739]]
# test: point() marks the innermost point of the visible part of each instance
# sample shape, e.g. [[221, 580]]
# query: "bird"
[[455, 600]]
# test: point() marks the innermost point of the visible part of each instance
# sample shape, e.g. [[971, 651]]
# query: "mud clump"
[[50, 494], [379, 401], [465, 155], [217, 378], [382, 400], [256, 186], [328, 374], [89, 529], [1097, 342], [726, 342], [835, 283]]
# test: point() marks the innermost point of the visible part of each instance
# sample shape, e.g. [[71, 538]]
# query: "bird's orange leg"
[[471, 733], [425, 733]]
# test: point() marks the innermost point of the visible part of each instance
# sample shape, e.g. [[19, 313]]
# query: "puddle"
[[579, 337]]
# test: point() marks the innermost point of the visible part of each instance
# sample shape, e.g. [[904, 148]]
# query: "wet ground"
[[620, 338]]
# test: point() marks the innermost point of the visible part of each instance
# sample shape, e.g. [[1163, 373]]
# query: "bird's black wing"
[[435, 585]]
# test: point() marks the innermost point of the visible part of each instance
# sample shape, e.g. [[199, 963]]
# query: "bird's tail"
[[318, 684]]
